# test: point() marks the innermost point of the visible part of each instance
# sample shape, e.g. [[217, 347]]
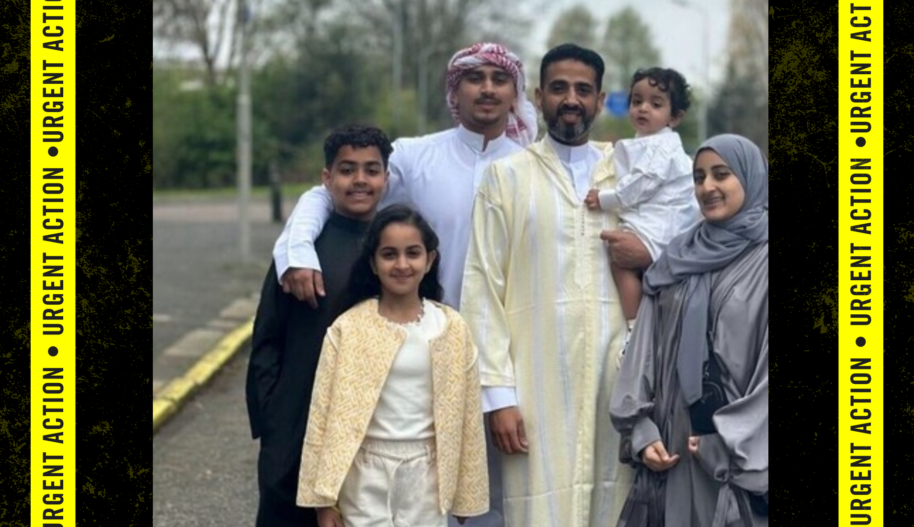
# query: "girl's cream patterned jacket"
[[357, 354]]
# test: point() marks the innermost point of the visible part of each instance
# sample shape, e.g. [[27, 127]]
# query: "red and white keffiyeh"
[[522, 118]]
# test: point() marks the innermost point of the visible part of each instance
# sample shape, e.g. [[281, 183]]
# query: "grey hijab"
[[710, 246]]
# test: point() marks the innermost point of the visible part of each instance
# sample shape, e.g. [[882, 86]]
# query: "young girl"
[[395, 434], [653, 195]]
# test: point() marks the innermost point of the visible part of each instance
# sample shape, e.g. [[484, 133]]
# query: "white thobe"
[[654, 194], [436, 174], [540, 300]]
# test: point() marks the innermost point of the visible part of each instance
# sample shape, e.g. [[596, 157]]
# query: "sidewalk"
[[201, 290], [204, 460]]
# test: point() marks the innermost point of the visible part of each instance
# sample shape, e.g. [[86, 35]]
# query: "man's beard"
[[569, 133]]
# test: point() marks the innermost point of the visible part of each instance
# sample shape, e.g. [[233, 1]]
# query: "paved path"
[[204, 460], [201, 290]]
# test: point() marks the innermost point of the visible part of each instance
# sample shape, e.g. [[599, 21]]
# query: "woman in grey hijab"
[[691, 400]]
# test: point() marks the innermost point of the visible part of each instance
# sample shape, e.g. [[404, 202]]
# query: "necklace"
[[407, 323]]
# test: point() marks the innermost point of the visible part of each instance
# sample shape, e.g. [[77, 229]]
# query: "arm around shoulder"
[[295, 245]]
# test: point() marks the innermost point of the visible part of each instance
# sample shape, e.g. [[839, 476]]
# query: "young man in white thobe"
[[436, 174], [539, 297]]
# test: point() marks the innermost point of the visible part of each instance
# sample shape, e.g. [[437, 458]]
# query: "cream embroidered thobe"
[[540, 300]]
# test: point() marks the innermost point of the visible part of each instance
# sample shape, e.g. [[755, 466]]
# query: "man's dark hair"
[[573, 52], [356, 136], [670, 82]]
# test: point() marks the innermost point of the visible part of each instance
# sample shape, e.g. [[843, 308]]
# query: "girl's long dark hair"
[[364, 284]]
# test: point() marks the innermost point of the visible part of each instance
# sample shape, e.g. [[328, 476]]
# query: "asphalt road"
[[197, 274], [204, 460]]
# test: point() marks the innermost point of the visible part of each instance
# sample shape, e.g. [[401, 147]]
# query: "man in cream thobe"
[[540, 300]]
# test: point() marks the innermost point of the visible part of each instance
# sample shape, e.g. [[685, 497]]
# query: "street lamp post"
[[397, 65], [703, 121], [244, 139], [706, 51]]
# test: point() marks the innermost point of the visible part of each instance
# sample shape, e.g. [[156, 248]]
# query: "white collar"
[[567, 153], [476, 141], [664, 130]]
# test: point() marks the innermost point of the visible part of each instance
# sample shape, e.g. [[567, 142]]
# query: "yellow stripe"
[[53, 263], [170, 399], [860, 264]]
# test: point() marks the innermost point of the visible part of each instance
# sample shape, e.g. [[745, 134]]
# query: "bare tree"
[[211, 28], [748, 39], [627, 46], [741, 104], [289, 26], [576, 25], [206, 25], [416, 38]]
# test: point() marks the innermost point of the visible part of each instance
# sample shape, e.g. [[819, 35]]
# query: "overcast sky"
[[677, 31]]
